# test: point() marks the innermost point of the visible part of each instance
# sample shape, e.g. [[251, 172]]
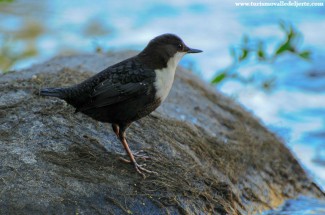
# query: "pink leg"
[[138, 168]]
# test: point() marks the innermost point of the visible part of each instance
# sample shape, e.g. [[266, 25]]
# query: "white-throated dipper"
[[129, 90]]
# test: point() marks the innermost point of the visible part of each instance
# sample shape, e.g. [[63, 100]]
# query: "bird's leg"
[[138, 154], [138, 168], [116, 129]]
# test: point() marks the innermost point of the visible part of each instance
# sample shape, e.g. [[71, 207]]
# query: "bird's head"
[[167, 47]]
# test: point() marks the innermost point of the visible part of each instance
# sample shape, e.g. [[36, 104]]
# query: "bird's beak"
[[190, 50]]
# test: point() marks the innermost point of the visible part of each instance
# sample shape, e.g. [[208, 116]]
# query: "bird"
[[129, 90]]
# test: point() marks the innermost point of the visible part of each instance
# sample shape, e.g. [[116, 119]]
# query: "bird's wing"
[[128, 82]]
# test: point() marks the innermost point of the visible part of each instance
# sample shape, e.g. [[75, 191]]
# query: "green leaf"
[[284, 47], [260, 51], [291, 34], [220, 77], [292, 37], [305, 55], [261, 54], [244, 50], [244, 55]]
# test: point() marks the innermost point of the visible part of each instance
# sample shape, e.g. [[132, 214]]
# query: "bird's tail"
[[54, 92]]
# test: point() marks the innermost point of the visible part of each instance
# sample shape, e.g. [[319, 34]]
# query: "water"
[[294, 109], [300, 206]]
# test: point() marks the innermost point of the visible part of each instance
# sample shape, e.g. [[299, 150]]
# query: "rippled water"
[[295, 109]]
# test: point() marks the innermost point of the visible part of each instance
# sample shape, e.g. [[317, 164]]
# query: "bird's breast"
[[164, 81], [165, 77]]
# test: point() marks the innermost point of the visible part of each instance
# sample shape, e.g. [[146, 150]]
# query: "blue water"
[[300, 206], [295, 109]]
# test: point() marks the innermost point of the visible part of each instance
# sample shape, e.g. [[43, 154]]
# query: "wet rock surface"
[[212, 156]]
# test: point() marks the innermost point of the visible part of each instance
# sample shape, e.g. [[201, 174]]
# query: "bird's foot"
[[139, 155], [141, 170]]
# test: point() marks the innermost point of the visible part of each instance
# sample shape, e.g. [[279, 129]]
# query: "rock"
[[212, 156]]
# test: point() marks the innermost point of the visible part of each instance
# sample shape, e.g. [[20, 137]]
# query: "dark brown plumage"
[[129, 90]]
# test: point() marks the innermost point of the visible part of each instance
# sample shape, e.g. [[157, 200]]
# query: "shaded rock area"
[[212, 156]]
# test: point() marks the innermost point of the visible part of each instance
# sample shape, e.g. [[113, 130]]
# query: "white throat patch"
[[165, 76]]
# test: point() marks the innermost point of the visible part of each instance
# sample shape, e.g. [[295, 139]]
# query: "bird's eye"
[[180, 46]]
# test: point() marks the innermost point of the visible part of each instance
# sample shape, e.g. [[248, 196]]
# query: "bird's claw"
[[141, 170], [139, 155], [124, 160]]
